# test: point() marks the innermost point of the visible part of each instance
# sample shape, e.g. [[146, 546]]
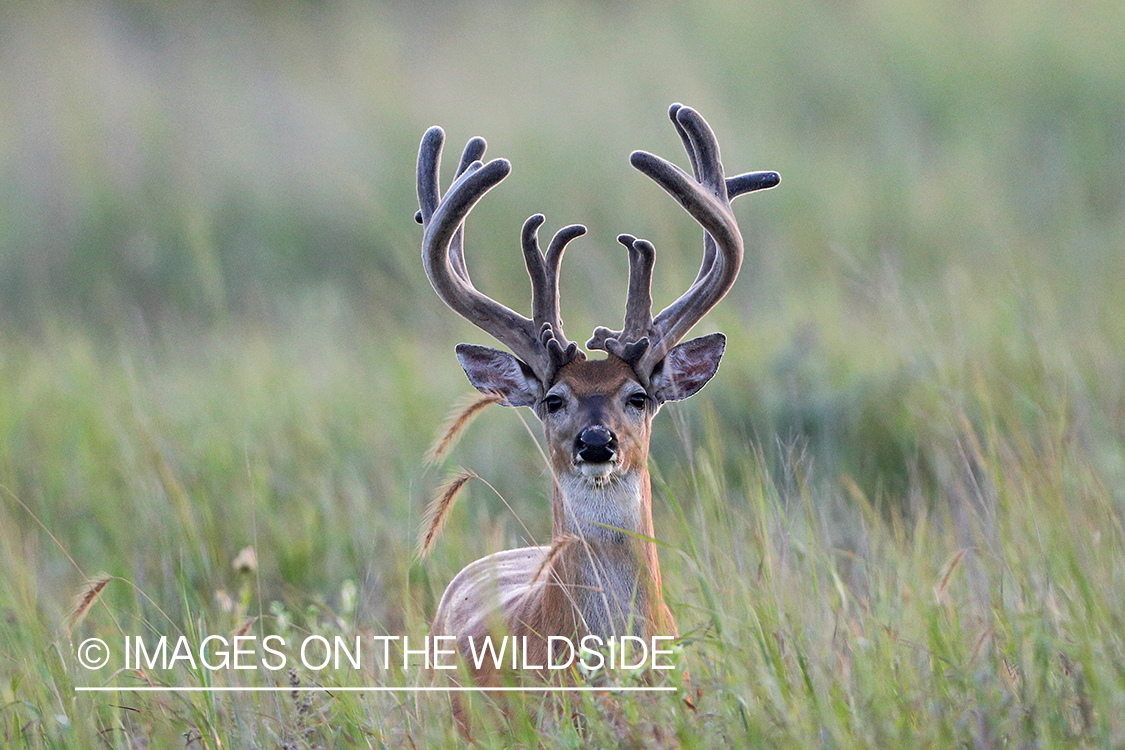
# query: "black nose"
[[596, 444]]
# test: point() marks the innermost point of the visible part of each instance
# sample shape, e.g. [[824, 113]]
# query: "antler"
[[539, 342], [706, 194]]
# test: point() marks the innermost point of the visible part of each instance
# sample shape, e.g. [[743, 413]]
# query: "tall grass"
[[983, 607], [894, 519]]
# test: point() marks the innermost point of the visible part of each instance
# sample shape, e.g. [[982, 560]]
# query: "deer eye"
[[637, 400], [553, 403]]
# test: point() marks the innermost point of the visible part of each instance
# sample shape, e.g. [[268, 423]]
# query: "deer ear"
[[687, 367], [493, 371]]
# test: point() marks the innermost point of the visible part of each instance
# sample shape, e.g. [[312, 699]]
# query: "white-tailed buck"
[[600, 576]]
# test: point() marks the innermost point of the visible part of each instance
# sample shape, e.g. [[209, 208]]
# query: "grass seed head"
[[438, 510], [461, 417], [87, 597]]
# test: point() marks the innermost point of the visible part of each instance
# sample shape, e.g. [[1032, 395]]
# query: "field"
[[894, 519]]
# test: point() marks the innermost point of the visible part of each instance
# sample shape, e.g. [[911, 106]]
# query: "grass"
[[893, 520], [983, 609]]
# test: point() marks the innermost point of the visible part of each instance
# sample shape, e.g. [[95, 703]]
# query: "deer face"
[[597, 418], [596, 414]]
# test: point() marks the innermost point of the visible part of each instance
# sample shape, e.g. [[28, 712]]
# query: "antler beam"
[[706, 195], [539, 341]]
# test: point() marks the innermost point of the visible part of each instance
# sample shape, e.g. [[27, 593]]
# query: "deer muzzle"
[[596, 444]]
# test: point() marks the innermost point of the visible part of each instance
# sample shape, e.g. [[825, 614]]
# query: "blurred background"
[[216, 335], [203, 164], [216, 331]]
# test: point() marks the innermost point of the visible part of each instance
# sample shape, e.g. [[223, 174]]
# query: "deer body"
[[601, 574], [606, 582]]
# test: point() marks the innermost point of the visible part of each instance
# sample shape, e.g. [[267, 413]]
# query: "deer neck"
[[610, 577]]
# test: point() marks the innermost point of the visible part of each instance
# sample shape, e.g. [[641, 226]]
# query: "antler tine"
[[736, 186], [638, 302], [693, 157], [429, 157], [544, 273], [539, 342], [544, 270], [702, 148], [751, 181], [633, 339], [474, 151], [544, 309]]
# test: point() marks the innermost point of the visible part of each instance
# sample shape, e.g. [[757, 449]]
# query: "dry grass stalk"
[[557, 548], [245, 628], [144, 677], [87, 597], [438, 510], [947, 573], [462, 415], [1013, 674], [984, 639]]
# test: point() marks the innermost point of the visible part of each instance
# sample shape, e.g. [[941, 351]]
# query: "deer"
[[601, 573]]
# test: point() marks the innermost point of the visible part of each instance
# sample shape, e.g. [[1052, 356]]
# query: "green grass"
[[982, 607], [894, 519]]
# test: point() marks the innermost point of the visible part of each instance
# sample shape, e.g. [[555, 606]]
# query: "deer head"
[[596, 414]]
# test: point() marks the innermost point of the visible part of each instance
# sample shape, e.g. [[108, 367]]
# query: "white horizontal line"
[[373, 689]]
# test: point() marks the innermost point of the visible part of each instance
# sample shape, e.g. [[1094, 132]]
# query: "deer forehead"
[[599, 377]]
